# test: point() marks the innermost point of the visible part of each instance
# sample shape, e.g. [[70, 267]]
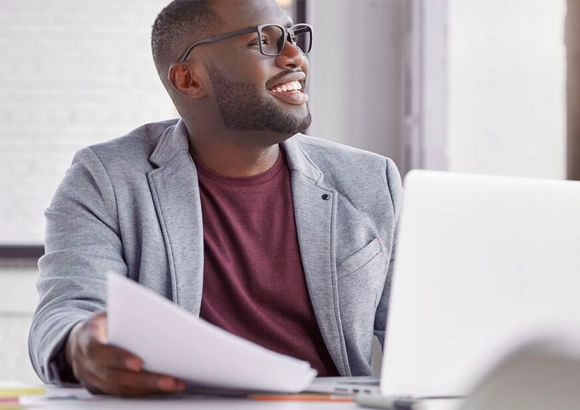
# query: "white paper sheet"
[[172, 341]]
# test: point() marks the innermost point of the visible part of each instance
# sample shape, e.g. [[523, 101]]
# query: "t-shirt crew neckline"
[[263, 177]]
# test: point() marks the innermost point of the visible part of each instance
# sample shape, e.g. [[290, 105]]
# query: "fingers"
[[104, 355], [127, 383], [94, 350], [103, 368]]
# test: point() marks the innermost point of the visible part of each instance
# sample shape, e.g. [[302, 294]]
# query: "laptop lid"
[[482, 264]]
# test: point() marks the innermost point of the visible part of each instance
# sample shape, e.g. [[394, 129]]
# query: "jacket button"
[[326, 197]]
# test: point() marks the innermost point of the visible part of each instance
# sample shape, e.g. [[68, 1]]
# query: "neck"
[[230, 152], [234, 160]]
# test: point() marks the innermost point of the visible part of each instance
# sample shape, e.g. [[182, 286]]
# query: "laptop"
[[483, 263]]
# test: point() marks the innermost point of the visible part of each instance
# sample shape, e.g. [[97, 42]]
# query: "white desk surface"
[[85, 401]]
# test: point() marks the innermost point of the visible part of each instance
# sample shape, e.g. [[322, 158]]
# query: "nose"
[[291, 56]]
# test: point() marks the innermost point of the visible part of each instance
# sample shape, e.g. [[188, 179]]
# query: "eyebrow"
[[288, 24]]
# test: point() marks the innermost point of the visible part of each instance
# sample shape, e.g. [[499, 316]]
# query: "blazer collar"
[[173, 141], [299, 161]]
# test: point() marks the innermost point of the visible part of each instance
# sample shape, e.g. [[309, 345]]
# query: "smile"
[[291, 86], [292, 91]]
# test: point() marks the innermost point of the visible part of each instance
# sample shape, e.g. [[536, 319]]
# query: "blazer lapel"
[[175, 191], [315, 210]]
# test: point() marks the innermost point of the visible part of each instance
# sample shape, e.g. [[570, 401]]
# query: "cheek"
[[246, 68], [254, 71]]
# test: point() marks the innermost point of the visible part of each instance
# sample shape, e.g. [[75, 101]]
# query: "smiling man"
[[230, 211]]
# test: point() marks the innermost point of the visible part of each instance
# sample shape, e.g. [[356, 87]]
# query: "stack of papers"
[[10, 393], [172, 341]]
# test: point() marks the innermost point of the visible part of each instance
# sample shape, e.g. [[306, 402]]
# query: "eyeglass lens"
[[272, 39]]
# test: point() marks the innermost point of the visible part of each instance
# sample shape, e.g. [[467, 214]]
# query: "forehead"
[[238, 14]]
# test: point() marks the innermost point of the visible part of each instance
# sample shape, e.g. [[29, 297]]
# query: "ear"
[[185, 79]]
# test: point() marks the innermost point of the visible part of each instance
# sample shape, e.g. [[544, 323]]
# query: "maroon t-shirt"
[[254, 284]]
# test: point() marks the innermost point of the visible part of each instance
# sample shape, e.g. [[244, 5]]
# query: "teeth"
[[291, 86]]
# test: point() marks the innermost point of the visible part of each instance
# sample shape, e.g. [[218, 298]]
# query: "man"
[[230, 212]]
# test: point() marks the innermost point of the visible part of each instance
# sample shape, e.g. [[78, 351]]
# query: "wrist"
[[70, 345]]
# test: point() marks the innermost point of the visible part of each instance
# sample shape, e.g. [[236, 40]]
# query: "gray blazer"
[[131, 205]]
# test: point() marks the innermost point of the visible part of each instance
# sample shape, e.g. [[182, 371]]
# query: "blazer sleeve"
[[395, 191], [82, 244]]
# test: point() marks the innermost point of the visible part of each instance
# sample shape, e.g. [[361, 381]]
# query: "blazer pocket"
[[359, 259]]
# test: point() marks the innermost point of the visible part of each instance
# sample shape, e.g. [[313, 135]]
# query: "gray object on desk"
[[379, 401]]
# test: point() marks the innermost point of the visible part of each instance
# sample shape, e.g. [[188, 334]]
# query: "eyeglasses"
[[271, 38]]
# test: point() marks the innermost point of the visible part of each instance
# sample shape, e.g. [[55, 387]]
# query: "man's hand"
[[102, 368]]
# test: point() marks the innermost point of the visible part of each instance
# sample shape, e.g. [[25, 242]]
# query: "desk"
[[85, 401]]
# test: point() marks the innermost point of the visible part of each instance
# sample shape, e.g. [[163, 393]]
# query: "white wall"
[[17, 305], [72, 73], [356, 73], [506, 107], [488, 82]]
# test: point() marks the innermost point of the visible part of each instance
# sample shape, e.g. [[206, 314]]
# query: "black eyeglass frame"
[[289, 35]]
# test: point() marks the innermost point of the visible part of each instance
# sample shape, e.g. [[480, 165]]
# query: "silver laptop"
[[483, 263]]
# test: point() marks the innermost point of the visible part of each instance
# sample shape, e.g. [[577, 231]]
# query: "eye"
[[255, 42]]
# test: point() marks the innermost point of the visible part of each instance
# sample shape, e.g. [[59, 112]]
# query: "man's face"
[[248, 86]]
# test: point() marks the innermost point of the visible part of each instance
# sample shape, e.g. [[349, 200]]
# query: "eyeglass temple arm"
[[213, 39]]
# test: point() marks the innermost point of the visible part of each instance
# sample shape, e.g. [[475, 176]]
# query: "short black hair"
[[175, 26]]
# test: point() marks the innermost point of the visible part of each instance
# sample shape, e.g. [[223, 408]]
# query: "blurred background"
[[483, 86]]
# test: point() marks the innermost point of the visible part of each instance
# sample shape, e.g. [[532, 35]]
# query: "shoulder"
[[341, 164], [132, 149], [324, 148], [364, 178], [121, 161]]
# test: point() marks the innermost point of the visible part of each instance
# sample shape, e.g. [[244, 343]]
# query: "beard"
[[243, 109]]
